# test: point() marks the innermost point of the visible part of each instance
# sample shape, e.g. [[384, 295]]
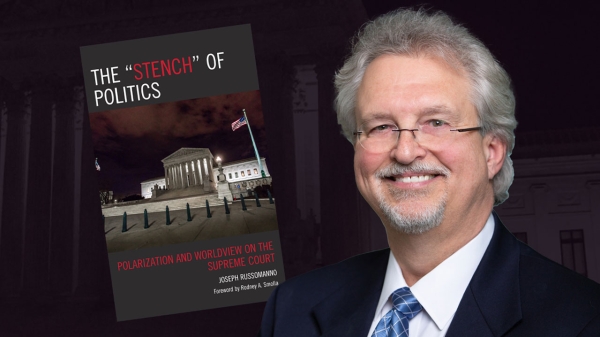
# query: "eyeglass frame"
[[358, 133]]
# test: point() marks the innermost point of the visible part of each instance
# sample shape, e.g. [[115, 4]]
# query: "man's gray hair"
[[419, 33]]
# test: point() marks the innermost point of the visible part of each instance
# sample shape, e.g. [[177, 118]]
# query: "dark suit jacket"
[[514, 292]]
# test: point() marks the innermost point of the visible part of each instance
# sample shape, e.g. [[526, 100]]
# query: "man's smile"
[[411, 176], [413, 179]]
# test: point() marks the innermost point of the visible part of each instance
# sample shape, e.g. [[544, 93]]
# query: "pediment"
[[187, 153]]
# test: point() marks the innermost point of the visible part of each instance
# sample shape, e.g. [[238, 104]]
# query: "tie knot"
[[405, 302]]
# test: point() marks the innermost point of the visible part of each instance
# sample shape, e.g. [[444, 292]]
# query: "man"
[[430, 113]]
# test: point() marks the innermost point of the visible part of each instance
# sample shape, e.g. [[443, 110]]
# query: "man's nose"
[[407, 148]]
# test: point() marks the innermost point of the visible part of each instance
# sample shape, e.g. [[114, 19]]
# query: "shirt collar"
[[440, 291]]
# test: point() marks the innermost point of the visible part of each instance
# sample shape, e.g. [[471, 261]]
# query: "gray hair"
[[416, 33]]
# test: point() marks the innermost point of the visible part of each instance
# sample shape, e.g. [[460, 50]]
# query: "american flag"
[[97, 165], [239, 123]]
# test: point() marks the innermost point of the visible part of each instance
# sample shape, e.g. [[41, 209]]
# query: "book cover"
[[188, 203]]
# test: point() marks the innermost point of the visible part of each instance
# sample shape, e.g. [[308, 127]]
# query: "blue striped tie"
[[395, 322]]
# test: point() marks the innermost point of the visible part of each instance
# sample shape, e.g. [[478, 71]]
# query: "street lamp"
[[221, 176]]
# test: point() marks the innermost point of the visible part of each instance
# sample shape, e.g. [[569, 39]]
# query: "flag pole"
[[262, 172]]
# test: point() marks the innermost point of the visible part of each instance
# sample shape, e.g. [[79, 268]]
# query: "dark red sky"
[[130, 143]]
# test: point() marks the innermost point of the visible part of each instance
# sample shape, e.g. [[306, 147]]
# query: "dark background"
[[54, 276]]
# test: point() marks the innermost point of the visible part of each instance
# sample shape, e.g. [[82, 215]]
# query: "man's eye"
[[436, 123], [379, 129]]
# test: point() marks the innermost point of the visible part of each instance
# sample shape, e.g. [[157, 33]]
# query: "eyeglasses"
[[379, 137]]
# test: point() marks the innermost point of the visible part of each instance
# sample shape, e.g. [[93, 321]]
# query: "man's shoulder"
[[541, 272], [539, 277], [565, 300], [328, 298], [518, 292]]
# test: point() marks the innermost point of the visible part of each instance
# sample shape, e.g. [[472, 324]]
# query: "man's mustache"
[[421, 168]]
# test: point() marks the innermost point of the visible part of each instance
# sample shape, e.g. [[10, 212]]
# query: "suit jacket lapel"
[[349, 310], [492, 302]]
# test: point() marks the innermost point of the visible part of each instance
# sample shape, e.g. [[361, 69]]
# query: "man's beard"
[[406, 219]]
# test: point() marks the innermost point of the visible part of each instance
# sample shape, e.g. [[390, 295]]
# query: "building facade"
[[190, 167], [150, 184], [244, 175]]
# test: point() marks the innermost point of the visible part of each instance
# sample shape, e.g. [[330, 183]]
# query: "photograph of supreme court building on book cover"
[[183, 171]]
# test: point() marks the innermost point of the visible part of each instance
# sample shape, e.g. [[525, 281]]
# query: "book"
[[188, 203]]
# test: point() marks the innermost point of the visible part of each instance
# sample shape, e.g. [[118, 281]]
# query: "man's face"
[[415, 185]]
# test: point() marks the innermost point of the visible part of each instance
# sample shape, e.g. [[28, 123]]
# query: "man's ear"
[[495, 152]]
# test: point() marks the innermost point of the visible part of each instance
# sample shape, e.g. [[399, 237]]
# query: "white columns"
[[179, 166], [195, 173]]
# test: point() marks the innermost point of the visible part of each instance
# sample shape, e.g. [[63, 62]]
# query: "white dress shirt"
[[440, 291]]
